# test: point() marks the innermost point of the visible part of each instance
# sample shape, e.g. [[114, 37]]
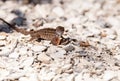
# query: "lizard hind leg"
[[56, 41]]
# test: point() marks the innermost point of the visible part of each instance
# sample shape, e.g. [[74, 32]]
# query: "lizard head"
[[59, 30]]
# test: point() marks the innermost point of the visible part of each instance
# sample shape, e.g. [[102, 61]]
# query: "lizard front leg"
[[56, 41]]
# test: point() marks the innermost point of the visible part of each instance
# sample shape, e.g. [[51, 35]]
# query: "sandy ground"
[[94, 56]]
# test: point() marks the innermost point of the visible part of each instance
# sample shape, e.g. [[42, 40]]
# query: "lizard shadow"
[[16, 21], [5, 28], [20, 20], [35, 2]]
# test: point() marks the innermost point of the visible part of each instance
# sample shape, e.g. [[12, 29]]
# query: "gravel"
[[94, 21]]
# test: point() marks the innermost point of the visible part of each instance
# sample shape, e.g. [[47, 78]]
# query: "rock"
[[3, 73], [2, 13], [2, 43], [73, 20], [118, 74], [78, 77], [38, 22], [30, 77], [103, 24], [55, 52], [67, 67], [11, 16], [69, 48], [58, 11], [33, 77], [27, 62], [24, 79], [19, 21], [15, 75], [46, 76], [98, 65], [3, 35], [23, 50], [14, 55], [117, 57], [108, 75], [40, 10], [23, 8], [82, 52], [70, 77], [7, 46], [38, 48], [64, 77], [114, 22], [44, 58], [46, 43], [111, 34]]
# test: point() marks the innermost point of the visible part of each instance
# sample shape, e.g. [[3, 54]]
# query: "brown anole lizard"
[[54, 35]]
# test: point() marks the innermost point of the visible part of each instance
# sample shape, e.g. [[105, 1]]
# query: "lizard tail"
[[15, 28]]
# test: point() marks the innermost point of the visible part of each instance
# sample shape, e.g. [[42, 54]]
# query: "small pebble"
[[69, 48], [14, 55], [108, 75], [3, 35], [38, 48], [27, 62], [44, 58], [58, 11], [24, 79], [56, 52], [79, 77], [117, 57]]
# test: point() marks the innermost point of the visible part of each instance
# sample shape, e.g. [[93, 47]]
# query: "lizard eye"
[[60, 30]]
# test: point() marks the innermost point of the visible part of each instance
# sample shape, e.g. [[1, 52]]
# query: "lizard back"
[[46, 33]]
